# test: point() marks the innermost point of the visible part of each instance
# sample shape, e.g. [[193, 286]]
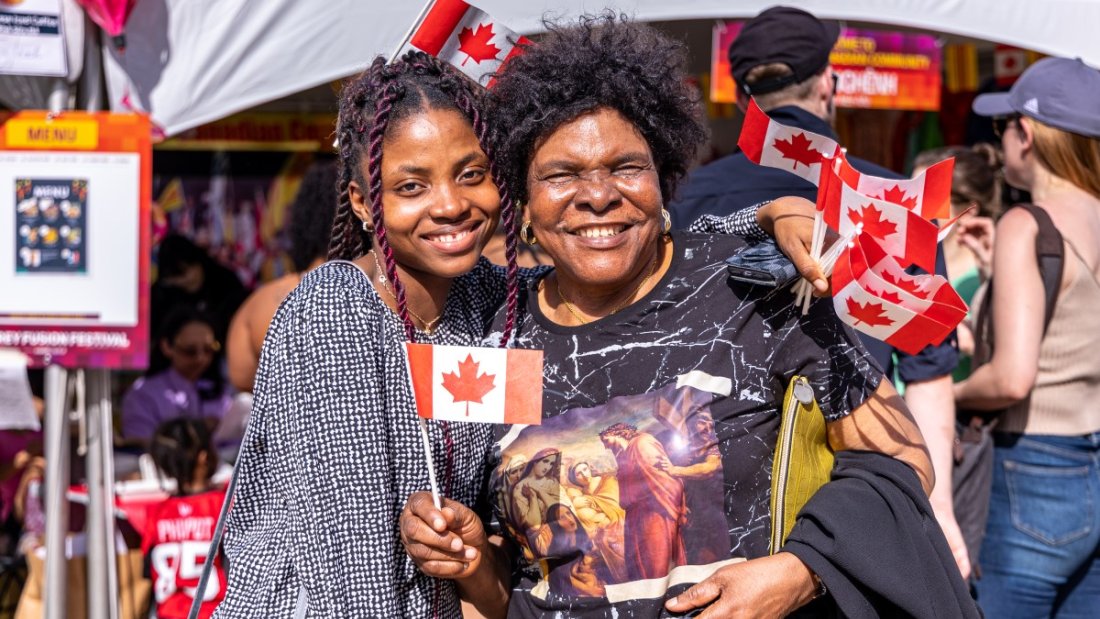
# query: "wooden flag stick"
[[806, 291], [423, 424], [431, 464], [408, 35]]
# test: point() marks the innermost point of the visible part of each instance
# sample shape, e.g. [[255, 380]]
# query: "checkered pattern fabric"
[[333, 450], [741, 223]]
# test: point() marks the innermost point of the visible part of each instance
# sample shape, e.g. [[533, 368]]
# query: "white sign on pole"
[[32, 38]]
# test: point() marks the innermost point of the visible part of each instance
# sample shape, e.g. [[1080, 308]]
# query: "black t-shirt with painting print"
[[651, 468]]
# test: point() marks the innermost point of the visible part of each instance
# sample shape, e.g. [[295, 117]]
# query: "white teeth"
[[449, 238], [600, 231]]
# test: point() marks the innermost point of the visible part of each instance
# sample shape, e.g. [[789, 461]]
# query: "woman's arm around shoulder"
[[883, 424]]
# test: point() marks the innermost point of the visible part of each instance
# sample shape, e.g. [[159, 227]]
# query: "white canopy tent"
[[189, 62]]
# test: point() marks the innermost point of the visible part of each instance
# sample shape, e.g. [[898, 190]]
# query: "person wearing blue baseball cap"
[[1041, 555]]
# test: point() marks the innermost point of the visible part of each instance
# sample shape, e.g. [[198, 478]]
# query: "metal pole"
[[57, 482], [102, 568], [57, 452], [91, 80], [59, 96]]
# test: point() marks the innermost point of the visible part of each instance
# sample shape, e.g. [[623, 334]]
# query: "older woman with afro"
[[663, 374]]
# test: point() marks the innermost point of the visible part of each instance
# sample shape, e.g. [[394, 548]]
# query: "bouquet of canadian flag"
[[884, 225]]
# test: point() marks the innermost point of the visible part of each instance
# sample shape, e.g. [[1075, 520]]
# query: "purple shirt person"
[[184, 388]]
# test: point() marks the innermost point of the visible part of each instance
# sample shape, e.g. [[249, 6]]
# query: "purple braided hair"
[[385, 84]]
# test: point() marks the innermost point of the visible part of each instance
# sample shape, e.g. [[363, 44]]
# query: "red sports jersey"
[[177, 537]]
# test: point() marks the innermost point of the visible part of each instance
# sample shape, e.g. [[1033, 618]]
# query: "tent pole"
[[102, 567], [91, 79], [59, 96], [57, 482]]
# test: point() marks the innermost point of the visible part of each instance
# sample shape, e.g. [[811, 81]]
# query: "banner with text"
[[74, 206], [874, 69], [32, 38]]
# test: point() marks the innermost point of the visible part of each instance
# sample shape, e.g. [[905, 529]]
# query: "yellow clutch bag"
[[803, 460]]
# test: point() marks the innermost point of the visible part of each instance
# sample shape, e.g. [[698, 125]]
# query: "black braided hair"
[[380, 96], [176, 446], [598, 61]]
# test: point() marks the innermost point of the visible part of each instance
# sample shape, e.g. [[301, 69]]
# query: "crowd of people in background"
[[1012, 430]]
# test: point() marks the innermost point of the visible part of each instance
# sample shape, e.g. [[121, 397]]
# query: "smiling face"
[[595, 200], [439, 203]]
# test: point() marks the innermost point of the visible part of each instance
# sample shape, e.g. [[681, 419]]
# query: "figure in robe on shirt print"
[[621, 492]]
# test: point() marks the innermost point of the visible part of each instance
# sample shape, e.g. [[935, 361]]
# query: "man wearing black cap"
[[781, 58]]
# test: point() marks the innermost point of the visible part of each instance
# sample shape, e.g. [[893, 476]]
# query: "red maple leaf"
[[889, 297], [800, 149], [476, 45], [872, 221], [897, 195], [871, 314], [467, 386], [908, 285]]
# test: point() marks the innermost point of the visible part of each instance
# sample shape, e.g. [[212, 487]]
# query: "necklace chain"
[[428, 325], [573, 310]]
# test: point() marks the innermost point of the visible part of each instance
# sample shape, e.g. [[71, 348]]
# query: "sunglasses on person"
[[1002, 123]]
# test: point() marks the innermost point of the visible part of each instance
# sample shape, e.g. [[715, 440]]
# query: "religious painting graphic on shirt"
[[621, 500], [51, 225]]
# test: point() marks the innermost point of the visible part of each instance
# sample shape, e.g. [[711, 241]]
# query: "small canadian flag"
[[928, 194], [467, 37], [902, 233], [880, 274], [872, 306], [1008, 64], [775, 145], [487, 385]]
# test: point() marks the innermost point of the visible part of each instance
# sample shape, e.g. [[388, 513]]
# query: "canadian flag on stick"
[[902, 233], [931, 295], [768, 143], [488, 385], [465, 36], [886, 312], [928, 194]]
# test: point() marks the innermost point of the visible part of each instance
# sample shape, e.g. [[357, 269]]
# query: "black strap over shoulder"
[[1050, 251]]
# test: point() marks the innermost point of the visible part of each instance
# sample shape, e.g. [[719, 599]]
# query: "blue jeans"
[[1041, 554]]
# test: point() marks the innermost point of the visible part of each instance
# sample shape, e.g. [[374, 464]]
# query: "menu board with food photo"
[[51, 217]]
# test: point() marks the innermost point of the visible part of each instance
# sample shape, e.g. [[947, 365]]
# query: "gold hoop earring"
[[525, 234], [667, 217]]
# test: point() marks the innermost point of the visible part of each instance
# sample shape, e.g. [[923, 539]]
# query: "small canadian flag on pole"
[[902, 233], [872, 306], [487, 385], [465, 36], [928, 194], [881, 275], [775, 145]]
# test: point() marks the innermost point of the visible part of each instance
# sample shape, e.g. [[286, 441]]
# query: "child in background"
[[179, 530]]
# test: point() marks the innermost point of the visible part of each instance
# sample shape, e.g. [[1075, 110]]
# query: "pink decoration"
[[110, 15]]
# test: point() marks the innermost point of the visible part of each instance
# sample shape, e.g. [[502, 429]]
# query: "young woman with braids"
[[333, 448]]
